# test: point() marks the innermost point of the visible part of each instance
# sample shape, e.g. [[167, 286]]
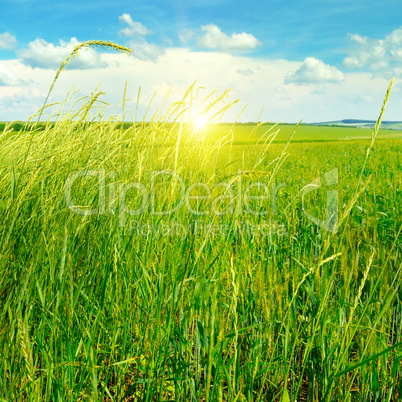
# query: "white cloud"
[[186, 35], [144, 50], [178, 68], [42, 54], [246, 71], [352, 62], [358, 38], [215, 39], [134, 28], [8, 41], [7, 78], [381, 56], [280, 90], [314, 71], [320, 90], [29, 100]]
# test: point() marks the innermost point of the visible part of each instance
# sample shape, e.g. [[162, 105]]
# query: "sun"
[[200, 122]]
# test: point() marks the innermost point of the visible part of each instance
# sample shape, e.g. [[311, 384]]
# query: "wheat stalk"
[[87, 44], [26, 348]]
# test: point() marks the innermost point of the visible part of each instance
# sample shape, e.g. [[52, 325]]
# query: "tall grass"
[[105, 307]]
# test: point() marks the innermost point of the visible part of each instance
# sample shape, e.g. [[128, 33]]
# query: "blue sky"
[[317, 60]]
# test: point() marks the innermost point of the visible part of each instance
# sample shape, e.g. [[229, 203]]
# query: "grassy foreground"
[[226, 297]]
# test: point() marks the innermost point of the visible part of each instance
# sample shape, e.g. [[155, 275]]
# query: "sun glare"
[[200, 122]]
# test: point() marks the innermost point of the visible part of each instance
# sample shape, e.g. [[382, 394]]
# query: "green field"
[[251, 133], [161, 263]]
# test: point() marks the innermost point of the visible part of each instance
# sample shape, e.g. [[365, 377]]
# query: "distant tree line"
[[21, 125]]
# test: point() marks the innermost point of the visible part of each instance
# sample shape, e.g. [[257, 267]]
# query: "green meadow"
[[251, 133], [168, 262]]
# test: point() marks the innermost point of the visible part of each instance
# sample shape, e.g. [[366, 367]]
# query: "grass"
[[229, 297], [248, 133]]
